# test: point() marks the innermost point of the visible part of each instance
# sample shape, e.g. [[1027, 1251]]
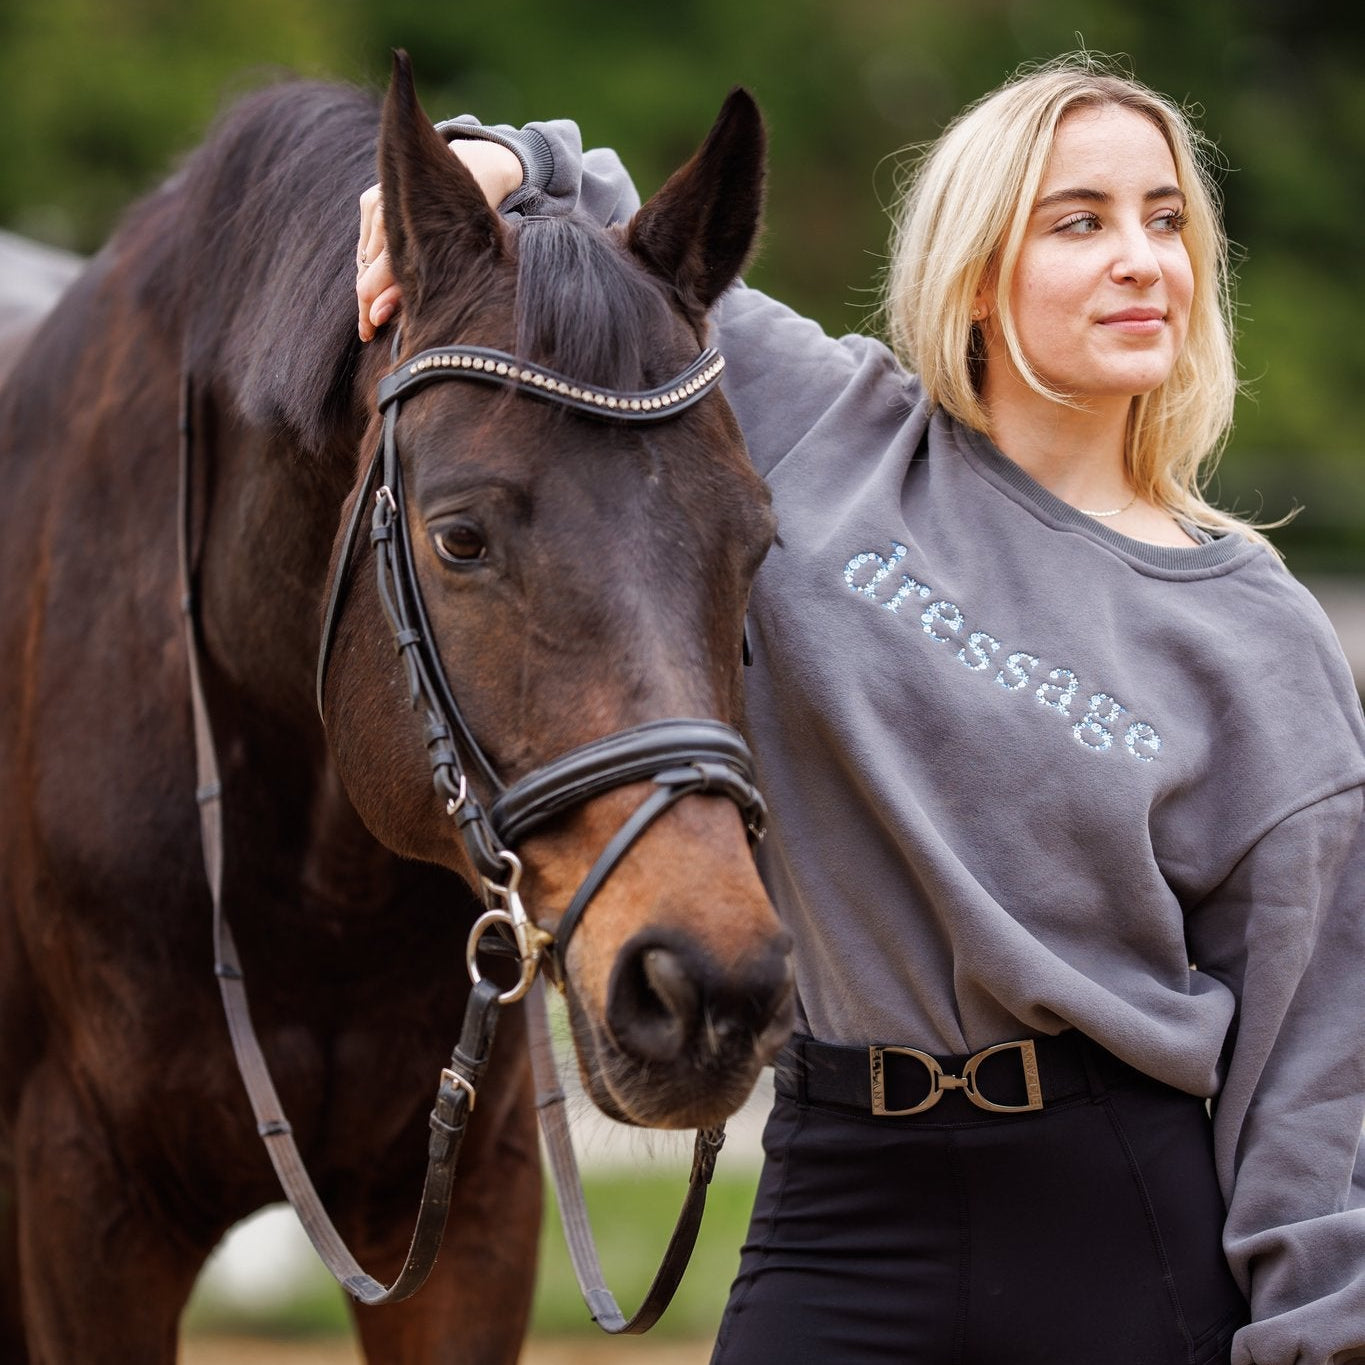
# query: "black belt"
[[1006, 1080]]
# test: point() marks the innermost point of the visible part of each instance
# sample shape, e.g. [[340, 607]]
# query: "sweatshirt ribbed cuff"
[[528, 145]]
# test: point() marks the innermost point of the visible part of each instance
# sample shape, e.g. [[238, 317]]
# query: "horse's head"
[[582, 576]]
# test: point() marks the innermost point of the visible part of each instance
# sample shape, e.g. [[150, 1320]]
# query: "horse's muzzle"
[[686, 1037]]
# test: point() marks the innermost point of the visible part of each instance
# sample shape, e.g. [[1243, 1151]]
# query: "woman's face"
[[1101, 293]]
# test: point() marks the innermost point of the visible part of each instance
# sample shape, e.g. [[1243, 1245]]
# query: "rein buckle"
[[458, 1082]]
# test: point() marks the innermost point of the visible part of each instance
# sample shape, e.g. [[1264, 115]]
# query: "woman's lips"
[[1138, 321]]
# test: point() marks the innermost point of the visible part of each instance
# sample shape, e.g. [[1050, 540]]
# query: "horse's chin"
[[634, 1094], [698, 1092]]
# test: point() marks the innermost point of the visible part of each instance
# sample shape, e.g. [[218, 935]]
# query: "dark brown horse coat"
[[607, 590]]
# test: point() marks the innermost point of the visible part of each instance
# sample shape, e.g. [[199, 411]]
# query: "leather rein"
[[679, 757]]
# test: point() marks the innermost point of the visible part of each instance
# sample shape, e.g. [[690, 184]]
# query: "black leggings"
[[1085, 1234]]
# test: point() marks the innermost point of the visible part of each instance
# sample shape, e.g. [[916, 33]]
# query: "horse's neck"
[[343, 869], [267, 539], [267, 535]]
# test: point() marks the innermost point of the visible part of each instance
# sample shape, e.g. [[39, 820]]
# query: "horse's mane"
[[251, 249]]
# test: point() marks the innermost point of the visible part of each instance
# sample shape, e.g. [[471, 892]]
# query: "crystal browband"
[[498, 367]]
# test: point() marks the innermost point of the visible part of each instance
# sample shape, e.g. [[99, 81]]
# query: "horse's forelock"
[[583, 307]]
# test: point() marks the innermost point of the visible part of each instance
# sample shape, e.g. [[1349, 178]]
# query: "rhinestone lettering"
[[1097, 730]]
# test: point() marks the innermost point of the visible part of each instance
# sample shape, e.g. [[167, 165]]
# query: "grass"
[[632, 1217], [633, 1213]]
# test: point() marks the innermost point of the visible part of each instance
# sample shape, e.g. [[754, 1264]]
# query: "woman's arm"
[[541, 168], [785, 376], [1286, 932]]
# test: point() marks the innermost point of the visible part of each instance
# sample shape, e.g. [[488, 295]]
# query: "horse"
[[583, 578]]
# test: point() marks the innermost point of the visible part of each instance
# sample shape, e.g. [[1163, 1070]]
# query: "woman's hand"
[[378, 294]]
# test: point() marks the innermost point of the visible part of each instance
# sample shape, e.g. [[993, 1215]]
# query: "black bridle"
[[680, 756]]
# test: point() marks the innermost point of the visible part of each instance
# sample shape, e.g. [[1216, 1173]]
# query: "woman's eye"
[[1174, 221], [1079, 223], [461, 544]]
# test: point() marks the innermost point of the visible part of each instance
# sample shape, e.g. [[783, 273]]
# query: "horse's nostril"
[[670, 982], [653, 1003], [668, 999]]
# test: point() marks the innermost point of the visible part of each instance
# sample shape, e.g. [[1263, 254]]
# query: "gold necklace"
[[1112, 512]]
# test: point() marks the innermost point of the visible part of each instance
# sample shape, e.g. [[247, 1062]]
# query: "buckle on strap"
[[940, 1081]]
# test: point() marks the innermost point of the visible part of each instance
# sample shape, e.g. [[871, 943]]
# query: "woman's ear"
[[983, 301]]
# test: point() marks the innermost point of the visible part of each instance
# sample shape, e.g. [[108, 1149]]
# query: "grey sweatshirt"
[[1027, 774]]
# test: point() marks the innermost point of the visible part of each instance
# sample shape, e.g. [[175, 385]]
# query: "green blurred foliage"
[[98, 96]]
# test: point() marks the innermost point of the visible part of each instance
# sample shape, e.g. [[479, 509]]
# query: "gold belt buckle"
[[940, 1081]]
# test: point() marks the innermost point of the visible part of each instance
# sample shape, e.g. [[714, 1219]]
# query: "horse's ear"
[[435, 215], [697, 231]]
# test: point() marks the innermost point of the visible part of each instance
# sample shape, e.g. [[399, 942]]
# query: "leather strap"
[[633, 755], [499, 367], [671, 787], [573, 1212]]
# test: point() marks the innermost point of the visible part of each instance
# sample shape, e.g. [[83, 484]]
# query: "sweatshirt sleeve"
[[784, 374], [788, 381], [558, 176], [1286, 931]]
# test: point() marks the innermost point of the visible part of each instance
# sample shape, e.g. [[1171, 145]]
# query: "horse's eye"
[[461, 543]]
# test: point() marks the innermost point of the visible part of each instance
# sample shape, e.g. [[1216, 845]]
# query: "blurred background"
[[98, 98]]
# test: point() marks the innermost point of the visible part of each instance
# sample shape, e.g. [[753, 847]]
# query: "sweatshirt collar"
[[1214, 552]]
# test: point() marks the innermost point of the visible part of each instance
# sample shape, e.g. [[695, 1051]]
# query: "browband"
[[498, 367]]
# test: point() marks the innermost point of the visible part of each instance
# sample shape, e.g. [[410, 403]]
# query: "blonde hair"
[[961, 226]]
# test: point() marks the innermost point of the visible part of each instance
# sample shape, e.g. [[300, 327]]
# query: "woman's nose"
[[1136, 262]]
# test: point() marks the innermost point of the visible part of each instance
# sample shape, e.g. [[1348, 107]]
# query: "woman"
[[1066, 777]]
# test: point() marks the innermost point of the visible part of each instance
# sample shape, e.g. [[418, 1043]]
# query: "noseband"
[[679, 756]]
